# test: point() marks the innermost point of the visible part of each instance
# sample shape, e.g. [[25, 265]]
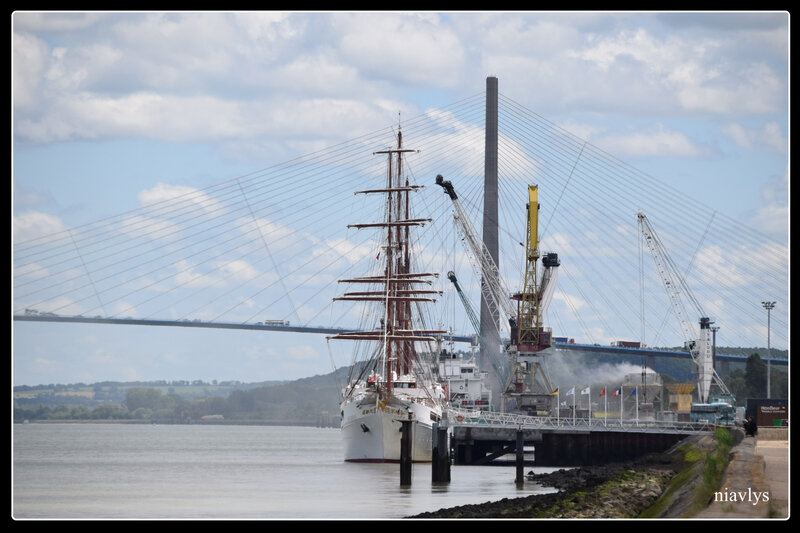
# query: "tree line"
[[751, 382], [302, 401], [288, 404]]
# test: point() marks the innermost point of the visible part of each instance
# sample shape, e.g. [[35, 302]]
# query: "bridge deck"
[[332, 331]]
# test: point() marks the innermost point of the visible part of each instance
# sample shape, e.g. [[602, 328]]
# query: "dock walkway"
[[758, 465]]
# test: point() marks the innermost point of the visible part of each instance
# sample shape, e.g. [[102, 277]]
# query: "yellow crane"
[[529, 388], [536, 292]]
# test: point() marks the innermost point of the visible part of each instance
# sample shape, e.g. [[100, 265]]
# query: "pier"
[[482, 437]]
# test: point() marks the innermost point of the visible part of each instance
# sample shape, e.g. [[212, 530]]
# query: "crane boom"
[[527, 386], [473, 317], [700, 347], [495, 294]]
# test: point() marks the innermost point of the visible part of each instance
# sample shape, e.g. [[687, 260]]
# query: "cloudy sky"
[[115, 110]]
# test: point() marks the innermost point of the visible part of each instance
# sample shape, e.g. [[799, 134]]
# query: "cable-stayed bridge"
[[270, 246], [288, 328]]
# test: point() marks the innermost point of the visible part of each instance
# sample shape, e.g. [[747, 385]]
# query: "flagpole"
[[573, 405], [605, 406], [590, 406]]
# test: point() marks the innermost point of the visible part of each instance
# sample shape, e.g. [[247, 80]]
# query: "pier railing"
[[476, 418]]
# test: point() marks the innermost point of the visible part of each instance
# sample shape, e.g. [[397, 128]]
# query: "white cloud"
[[352, 252], [198, 118], [269, 25], [187, 276], [55, 21], [239, 270], [62, 305], [29, 64], [31, 271], [657, 141], [292, 83], [720, 267], [679, 73], [317, 74], [275, 237], [759, 90], [572, 302], [604, 51], [409, 48], [739, 135], [770, 136], [164, 193], [773, 137], [773, 217], [33, 224], [123, 309]]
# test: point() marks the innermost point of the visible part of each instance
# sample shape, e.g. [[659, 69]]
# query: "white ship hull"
[[395, 348], [371, 433]]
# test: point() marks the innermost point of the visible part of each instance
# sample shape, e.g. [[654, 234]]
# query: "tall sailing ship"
[[395, 381]]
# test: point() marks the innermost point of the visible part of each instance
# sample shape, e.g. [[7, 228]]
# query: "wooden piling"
[[440, 455], [405, 453], [520, 456]]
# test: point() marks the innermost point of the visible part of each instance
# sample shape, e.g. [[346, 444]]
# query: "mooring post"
[[440, 455], [520, 456], [405, 452]]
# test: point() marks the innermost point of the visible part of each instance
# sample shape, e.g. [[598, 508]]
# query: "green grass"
[[703, 467], [715, 464]]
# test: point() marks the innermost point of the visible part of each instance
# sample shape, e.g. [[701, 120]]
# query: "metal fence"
[[460, 417]]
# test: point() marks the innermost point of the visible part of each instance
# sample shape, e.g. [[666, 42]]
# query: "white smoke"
[[567, 370]]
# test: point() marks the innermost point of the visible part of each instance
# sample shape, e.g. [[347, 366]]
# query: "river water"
[[129, 471]]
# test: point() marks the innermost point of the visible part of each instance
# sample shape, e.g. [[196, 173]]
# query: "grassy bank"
[[677, 483], [702, 464]]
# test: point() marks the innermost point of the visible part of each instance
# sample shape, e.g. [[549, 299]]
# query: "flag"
[[585, 391], [554, 392], [571, 391], [602, 393], [633, 393], [378, 257], [618, 392]]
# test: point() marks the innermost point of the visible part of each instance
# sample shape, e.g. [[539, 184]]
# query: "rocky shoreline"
[[655, 485], [620, 490]]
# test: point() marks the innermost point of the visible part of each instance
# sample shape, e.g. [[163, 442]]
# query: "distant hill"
[[308, 401]]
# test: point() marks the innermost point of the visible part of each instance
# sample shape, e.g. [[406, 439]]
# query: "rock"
[[622, 490], [606, 491]]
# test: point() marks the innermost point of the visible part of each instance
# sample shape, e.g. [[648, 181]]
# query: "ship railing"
[[474, 417]]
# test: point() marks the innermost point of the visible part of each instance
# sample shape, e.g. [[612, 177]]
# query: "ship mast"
[[399, 292]]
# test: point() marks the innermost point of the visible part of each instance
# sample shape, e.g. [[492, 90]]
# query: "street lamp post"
[[768, 306], [714, 349]]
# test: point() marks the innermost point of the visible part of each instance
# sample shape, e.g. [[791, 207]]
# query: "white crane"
[[527, 379], [495, 295], [700, 347]]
